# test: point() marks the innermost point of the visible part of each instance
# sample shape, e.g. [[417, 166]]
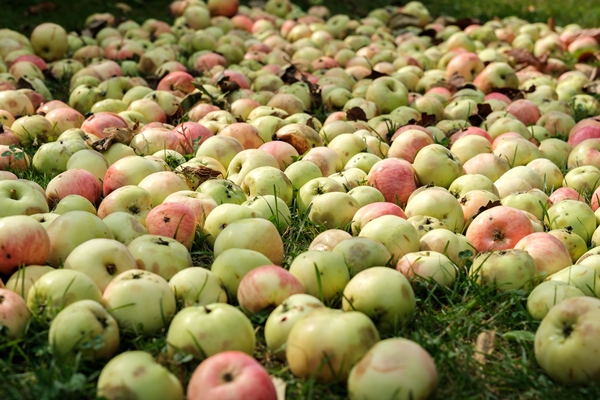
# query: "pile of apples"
[[422, 148]]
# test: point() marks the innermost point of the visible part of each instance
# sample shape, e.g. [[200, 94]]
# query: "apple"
[[498, 228], [21, 280], [49, 41], [361, 253], [231, 375], [574, 214], [384, 295], [56, 289], [197, 286], [14, 314], [136, 373], [268, 180], [130, 199], [266, 287], [204, 331], [328, 239], [71, 229], [233, 264], [436, 202], [282, 319], [84, 327], [19, 198], [253, 234], [174, 220], [581, 276], [24, 241], [563, 349], [140, 301], [394, 178], [160, 255], [505, 269], [323, 274], [548, 252], [387, 93], [409, 373], [162, 184], [548, 294], [325, 344], [130, 170]]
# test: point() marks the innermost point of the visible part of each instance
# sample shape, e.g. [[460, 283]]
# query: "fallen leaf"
[[484, 346]]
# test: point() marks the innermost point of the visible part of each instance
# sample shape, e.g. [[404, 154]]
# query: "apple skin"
[[80, 328], [549, 253], [326, 343], [174, 220], [282, 319], [204, 331], [266, 287], [137, 374], [384, 295], [23, 241], [328, 240], [332, 272], [396, 233], [233, 264], [498, 228], [231, 375], [394, 178], [71, 229], [395, 368], [253, 234], [14, 314], [565, 342], [428, 265], [101, 259], [140, 301], [49, 41], [19, 198], [546, 295], [505, 269], [23, 279], [57, 289], [197, 286]]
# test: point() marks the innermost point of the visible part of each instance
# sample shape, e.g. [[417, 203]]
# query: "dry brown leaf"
[[201, 172], [280, 387], [484, 346]]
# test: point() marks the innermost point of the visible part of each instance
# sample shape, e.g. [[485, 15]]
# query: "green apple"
[[197, 286], [84, 327], [136, 374], [204, 331]]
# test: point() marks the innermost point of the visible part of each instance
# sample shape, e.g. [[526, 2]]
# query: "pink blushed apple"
[[231, 375], [23, 241], [498, 228], [74, 181], [264, 288], [394, 178], [174, 220]]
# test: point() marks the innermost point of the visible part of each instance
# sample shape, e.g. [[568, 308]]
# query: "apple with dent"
[[204, 331], [333, 209], [56, 289], [564, 344], [79, 327], [332, 338], [232, 375], [410, 372], [136, 373], [253, 234]]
